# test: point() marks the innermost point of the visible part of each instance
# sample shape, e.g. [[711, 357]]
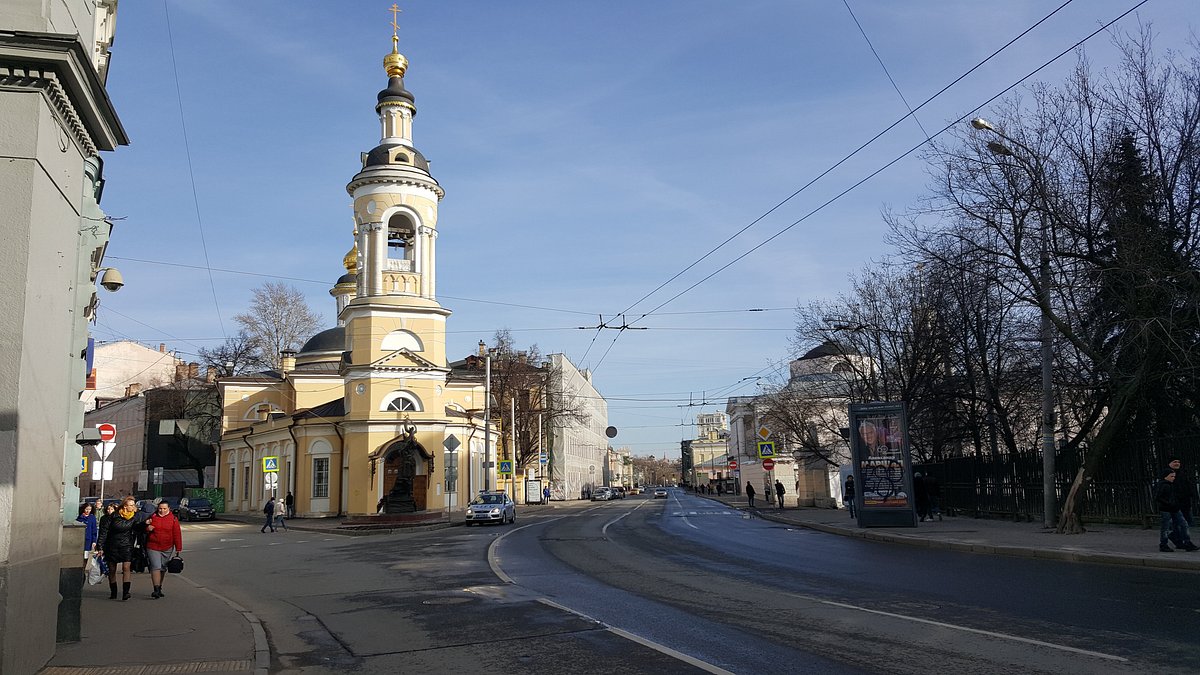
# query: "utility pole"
[[490, 461]]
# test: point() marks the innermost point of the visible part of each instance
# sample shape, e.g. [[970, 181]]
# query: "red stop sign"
[[768, 464], [733, 464], [107, 431]]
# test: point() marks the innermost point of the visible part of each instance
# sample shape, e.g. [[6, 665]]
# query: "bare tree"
[[237, 355], [278, 319], [1103, 174]]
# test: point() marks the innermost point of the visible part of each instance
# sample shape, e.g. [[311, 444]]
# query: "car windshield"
[[489, 499], [199, 503]]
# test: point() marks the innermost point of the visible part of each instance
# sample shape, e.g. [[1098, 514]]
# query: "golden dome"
[[350, 262], [395, 64]]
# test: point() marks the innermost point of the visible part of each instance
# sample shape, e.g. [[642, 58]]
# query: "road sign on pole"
[[271, 481], [733, 464], [764, 433], [768, 464], [506, 467], [83, 464], [105, 448], [108, 432], [766, 449], [270, 464]]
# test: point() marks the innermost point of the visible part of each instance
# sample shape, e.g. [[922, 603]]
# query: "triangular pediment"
[[406, 360]]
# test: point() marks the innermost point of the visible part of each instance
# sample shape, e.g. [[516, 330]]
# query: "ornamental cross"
[[395, 10]]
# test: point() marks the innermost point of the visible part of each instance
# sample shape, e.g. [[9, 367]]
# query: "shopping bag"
[[175, 565], [103, 565], [94, 575]]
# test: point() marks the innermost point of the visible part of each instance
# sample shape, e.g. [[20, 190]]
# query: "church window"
[[320, 477], [401, 339], [401, 401]]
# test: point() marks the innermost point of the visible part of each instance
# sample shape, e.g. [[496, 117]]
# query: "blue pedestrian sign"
[[506, 467], [270, 464], [766, 449], [544, 458]]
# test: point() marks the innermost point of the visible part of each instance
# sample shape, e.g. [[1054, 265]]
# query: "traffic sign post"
[[733, 464], [108, 443], [768, 464], [506, 467], [766, 449]]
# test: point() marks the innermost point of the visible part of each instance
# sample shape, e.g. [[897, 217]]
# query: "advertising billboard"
[[882, 465]]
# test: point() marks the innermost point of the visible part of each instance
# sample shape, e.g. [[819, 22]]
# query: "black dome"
[[380, 154], [348, 279], [333, 339], [829, 348], [395, 91]]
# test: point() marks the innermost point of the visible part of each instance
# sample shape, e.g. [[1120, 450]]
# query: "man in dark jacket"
[[1173, 526], [269, 512], [848, 494], [779, 492], [1185, 490], [750, 493]]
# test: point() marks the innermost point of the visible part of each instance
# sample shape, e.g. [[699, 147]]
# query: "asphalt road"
[[684, 585]]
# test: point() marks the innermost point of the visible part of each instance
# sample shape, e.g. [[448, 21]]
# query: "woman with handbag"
[[164, 541], [117, 534]]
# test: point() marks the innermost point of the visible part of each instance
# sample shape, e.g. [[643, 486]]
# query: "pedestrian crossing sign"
[[506, 467], [270, 464], [766, 449]]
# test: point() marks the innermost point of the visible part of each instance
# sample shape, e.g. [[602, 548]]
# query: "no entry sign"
[[768, 464], [107, 431], [733, 464]]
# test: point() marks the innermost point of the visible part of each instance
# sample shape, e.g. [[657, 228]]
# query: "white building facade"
[[578, 449]]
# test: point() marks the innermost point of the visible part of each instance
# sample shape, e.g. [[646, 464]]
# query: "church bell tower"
[[394, 365]]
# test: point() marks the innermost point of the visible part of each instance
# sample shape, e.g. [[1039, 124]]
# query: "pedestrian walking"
[[750, 493], [290, 503], [779, 492], [269, 512], [933, 492], [116, 542], [1185, 490], [848, 495], [1173, 526], [920, 496], [164, 540], [87, 516], [546, 495]]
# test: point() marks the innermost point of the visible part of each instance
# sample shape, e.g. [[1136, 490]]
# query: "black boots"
[[157, 592], [112, 590], [125, 594], [1165, 549]]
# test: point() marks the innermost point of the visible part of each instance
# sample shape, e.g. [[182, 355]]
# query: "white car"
[[660, 492], [492, 507]]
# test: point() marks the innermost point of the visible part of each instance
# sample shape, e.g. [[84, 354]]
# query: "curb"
[[984, 549], [262, 648]]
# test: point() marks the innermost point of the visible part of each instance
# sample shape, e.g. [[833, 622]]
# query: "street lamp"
[[1037, 174]]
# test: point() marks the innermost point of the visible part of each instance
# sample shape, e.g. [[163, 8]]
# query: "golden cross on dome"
[[395, 10]]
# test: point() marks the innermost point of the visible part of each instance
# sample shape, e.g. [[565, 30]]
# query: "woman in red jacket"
[[163, 542]]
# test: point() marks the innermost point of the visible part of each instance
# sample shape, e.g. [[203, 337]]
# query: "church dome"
[[333, 339], [829, 348], [395, 92], [348, 279], [387, 155]]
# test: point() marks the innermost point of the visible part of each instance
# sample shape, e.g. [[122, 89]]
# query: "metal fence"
[[1010, 486]]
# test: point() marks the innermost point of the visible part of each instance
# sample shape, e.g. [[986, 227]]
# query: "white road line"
[[217, 548], [662, 649], [977, 631], [604, 530], [494, 562]]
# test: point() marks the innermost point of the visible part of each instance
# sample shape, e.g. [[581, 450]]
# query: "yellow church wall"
[[310, 392], [371, 204], [367, 329]]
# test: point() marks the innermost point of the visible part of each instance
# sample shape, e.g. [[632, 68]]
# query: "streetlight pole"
[[489, 462], [1037, 174]]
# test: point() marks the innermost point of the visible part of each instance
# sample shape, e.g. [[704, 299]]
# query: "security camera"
[[112, 281], [88, 437]]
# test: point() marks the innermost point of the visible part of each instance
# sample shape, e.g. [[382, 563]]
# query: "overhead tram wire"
[[187, 150], [885, 68], [849, 156], [906, 153]]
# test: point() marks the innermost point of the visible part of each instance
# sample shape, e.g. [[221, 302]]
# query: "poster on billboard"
[[882, 466]]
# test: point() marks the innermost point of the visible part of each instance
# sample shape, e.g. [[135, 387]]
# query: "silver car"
[[491, 507]]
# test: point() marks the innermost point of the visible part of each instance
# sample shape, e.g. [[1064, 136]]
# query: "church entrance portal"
[[403, 487]]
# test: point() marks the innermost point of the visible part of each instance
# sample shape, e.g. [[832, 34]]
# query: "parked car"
[[618, 492], [601, 494], [491, 507], [660, 493], [195, 508]]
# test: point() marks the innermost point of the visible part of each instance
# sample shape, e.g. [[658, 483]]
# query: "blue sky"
[[589, 151]]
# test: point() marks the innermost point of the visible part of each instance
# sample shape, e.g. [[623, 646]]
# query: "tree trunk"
[[1068, 522]]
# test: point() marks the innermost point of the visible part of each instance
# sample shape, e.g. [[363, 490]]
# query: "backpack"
[[268, 508]]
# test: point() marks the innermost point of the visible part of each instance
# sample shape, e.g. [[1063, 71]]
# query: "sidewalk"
[[455, 516], [1105, 544], [191, 630]]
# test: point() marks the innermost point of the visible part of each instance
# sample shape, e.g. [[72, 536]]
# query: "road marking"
[[662, 649], [222, 539], [493, 561], [977, 631], [604, 530], [217, 548]]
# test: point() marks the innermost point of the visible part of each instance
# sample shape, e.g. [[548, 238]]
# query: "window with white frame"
[[401, 401], [320, 477]]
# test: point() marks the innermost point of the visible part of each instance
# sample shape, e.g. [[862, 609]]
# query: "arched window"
[[256, 411], [401, 401], [401, 339], [400, 234]]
